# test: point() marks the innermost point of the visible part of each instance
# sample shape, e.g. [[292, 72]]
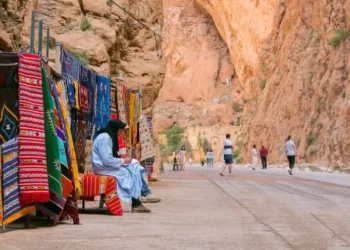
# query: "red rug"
[[33, 176], [95, 185]]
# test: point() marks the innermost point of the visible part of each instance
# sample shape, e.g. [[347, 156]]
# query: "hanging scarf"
[[8, 97], [71, 151], [33, 176]]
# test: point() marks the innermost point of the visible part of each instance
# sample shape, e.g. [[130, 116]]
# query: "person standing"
[[227, 156], [212, 156], [290, 152], [182, 158], [254, 157], [208, 158], [263, 155]]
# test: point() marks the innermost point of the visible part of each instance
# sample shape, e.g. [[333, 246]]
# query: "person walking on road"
[[182, 158], [290, 152], [263, 155], [208, 158], [212, 156], [227, 156], [254, 157]]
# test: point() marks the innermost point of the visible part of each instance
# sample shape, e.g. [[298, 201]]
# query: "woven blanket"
[[88, 80], [70, 66], [12, 209], [95, 185], [147, 149], [80, 141], [8, 97], [113, 97], [103, 102], [121, 101], [84, 99], [70, 93], [70, 147], [33, 176]]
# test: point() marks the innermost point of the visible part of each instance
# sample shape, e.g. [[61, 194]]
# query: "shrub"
[[237, 107], [81, 57], [109, 2], [235, 154], [262, 84], [85, 24], [311, 138], [232, 123], [313, 121], [340, 36]]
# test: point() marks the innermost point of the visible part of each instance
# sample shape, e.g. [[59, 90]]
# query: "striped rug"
[[33, 176]]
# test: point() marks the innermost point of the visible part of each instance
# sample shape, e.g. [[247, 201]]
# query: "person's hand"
[[127, 160]]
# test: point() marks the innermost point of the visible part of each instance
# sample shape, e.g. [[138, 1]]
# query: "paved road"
[[201, 210]]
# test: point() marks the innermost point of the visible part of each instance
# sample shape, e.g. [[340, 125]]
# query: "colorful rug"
[[12, 209], [70, 66], [131, 118], [80, 141], [33, 176], [84, 99], [121, 101], [8, 97], [103, 102], [70, 147], [147, 149], [113, 97], [95, 185], [88, 80]]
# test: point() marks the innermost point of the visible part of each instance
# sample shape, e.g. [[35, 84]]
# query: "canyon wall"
[[292, 60]]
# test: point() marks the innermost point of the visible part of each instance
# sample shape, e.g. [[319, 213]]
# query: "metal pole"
[[32, 31], [47, 43], [40, 41]]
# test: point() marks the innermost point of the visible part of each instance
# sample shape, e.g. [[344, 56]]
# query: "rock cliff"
[[292, 60]]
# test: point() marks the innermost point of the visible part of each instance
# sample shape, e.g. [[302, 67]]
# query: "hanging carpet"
[[121, 101], [70, 66], [80, 141], [12, 209], [33, 176], [8, 96], [103, 102], [147, 149]]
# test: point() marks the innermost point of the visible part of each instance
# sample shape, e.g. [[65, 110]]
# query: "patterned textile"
[[8, 96], [88, 152], [33, 176], [70, 93], [12, 209], [147, 149], [121, 144], [84, 99], [1, 214], [95, 185], [80, 141], [88, 80], [70, 147], [103, 102], [149, 165], [76, 95], [131, 117], [121, 101], [113, 97], [70, 66]]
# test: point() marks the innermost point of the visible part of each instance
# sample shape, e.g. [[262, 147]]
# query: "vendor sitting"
[[128, 172]]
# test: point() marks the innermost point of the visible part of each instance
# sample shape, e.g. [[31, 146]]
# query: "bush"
[[311, 138], [81, 57], [237, 107], [262, 84], [174, 138], [235, 154], [232, 123], [340, 36], [85, 24]]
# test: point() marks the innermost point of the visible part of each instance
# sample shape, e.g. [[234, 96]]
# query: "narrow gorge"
[[276, 67]]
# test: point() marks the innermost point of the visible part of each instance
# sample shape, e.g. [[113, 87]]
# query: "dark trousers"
[[264, 162], [135, 202], [175, 166], [291, 160]]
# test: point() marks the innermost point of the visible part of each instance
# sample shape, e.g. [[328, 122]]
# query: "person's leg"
[[223, 169], [293, 162], [263, 161], [290, 164], [230, 169], [135, 202], [146, 194]]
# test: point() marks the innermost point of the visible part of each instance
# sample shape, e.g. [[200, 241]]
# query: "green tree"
[[206, 144], [174, 137]]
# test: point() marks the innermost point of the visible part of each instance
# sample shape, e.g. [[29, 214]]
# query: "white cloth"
[[212, 155], [254, 157], [290, 148], [227, 149]]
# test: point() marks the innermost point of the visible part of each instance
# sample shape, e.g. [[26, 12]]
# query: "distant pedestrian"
[[175, 165], [190, 161], [208, 157], [182, 158], [263, 155], [290, 152], [212, 156], [227, 156], [254, 157]]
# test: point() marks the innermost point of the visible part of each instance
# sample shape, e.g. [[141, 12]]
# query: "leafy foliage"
[[340, 36]]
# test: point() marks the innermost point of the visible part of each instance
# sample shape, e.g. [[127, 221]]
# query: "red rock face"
[[298, 83]]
